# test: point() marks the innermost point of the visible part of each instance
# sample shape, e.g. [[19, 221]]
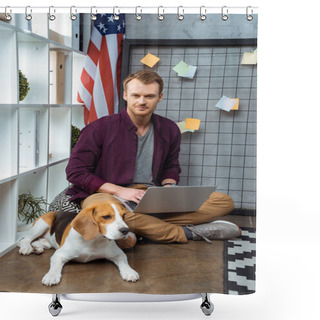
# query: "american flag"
[[100, 77]]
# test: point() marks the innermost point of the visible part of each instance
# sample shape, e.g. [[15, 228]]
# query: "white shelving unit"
[[35, 134]]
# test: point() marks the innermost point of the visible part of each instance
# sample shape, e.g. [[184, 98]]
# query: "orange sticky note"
[[192, 124], [150, 60], [236, 106]]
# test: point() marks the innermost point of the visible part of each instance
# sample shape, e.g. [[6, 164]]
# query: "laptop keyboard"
[[131, 204]]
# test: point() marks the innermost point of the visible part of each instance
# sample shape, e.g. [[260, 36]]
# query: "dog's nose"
[[124, 231]]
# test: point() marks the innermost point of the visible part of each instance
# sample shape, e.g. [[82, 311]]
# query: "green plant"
[[75, 133], [30, 207], [23, 86]]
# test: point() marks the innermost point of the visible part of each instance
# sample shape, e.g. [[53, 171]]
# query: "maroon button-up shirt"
[[106, 152]]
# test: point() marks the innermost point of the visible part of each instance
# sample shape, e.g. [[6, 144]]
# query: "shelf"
[[61, 32], [33, 138], [6, 247], [58, 180], [77, 116], [34, 182], [8, 204], [35, 133], [8, 67], [34, 64], [59, 133], [8, 141], [37, 34]]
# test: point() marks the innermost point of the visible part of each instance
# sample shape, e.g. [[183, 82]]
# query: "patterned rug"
[[240, 263]]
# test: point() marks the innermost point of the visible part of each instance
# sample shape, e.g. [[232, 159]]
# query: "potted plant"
[[23, 86], [30, 208], [75, 133]]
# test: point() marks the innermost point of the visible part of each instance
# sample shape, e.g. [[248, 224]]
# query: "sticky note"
[[249, 57], [149, 60], [226, 103], [182, 128], [190, 73], [236, 106], [192, 124], [181, 68]]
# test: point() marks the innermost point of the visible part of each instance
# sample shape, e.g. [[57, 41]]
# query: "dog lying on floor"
[[82, 237]]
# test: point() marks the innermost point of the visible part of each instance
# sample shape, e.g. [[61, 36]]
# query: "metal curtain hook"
[[203, 12], [160, 15], [138, 16], [6, 14], [28, 12], [249, 16], [224, 13], [93, 16], [180, 13], [51, 11], [73, 17], [116, 15]]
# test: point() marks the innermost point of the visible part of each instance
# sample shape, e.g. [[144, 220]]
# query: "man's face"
[[142, 99]]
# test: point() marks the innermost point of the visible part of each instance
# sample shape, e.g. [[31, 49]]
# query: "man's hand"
[[131, 194], [122, 192], [168, 183]]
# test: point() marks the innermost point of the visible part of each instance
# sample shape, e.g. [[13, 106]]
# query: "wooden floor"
[[163, 268]]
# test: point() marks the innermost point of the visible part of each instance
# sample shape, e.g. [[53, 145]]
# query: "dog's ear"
[[85, 224]]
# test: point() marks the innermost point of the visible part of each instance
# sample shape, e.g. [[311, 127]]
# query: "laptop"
[[170, 199]]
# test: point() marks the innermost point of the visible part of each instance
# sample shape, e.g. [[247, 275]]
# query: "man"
[[123, 154]]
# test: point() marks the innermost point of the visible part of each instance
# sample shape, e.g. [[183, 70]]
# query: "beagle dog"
[[81, 237]]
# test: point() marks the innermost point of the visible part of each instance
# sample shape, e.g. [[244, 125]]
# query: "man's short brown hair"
[[146, 77]]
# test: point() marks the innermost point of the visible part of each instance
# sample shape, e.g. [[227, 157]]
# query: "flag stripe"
[[106, 75], [100, 102], [93, 53], [84, 96], [112, 42], [90, 67], [96, 38], [92, 114], [120, 38], [79, 98], [87, 81]]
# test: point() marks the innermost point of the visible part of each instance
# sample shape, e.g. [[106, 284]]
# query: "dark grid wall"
[[223, 151]]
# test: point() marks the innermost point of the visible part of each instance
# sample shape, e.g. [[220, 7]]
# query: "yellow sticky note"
[[192, 124], [149, 60], [236, 106], [249, 58]]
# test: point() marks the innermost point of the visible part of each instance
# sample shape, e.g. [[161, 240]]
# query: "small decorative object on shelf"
[[30, 207], [75, 133], [23, 86]]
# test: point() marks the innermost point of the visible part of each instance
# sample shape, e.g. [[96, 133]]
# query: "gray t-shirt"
[[143, 169]]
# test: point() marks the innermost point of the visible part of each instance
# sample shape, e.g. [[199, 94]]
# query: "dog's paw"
[[51, 279], [130, 275], [37, 247], [25, 248]]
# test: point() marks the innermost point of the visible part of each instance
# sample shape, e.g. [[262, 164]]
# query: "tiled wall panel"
[[223, 151]]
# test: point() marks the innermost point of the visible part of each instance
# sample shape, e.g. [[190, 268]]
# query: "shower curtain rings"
[[160, 15], [180, 13], [73, 17], [249, 17], [93, 16], [138, 16], [6, 14], [224, 13], [51, 15], [28, 12], [116, 15], [203, 12]]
